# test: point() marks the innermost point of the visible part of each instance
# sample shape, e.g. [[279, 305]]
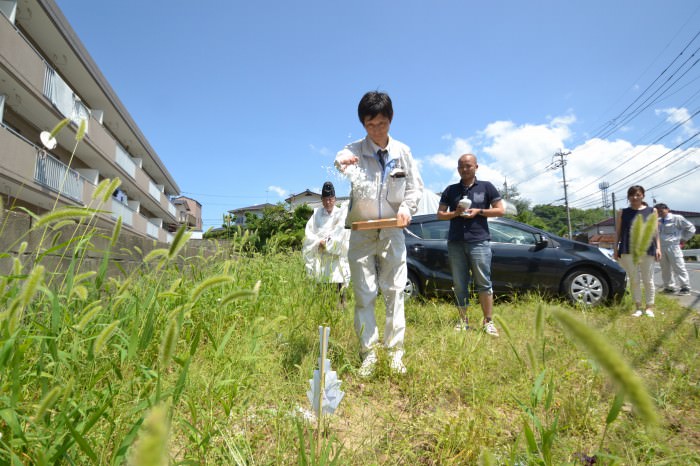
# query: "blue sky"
[[248, 102]]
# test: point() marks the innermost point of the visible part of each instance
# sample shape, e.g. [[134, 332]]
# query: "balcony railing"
[[63, 97], [124, 161], [58, 176], [153, 190], [152, 230], [123, 211]]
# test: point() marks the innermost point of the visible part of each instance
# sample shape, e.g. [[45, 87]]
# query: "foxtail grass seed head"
[[612, 362], [155, 254], [531, 357], [102, 188], [504, 326], [62, 214], [111, 187], [22, 248], [84, 276], [81, 130], [179, 241], [169, 342], [31, 285], [104, 336], [59, 126], [90, 312], [208, 283], [47, 402], [115, 232], [63, 223], [539, 323], [237, 295], [642, 234], [16, 266], [151, 446], [80, 291]]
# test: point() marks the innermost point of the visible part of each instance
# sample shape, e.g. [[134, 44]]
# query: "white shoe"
[[490, 328], [637, 313], [649, 313], [368, 364], [462, 326], [397, 366]]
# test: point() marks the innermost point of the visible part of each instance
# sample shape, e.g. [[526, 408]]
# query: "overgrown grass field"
[[207, 361]]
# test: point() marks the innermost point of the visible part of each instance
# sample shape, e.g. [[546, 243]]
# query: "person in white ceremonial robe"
[[325, 247]]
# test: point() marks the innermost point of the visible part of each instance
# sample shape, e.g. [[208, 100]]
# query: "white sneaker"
[[396, 364], [368, 364], [637, 313], [462, 326], [649, 313], [490, 328]]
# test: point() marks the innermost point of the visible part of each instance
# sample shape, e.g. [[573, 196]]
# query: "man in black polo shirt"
[[466, 205]]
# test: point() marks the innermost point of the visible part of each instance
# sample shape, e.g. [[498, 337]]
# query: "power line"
[[629, 159], [612, 125]]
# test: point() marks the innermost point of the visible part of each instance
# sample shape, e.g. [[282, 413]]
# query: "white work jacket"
[[378, 193]]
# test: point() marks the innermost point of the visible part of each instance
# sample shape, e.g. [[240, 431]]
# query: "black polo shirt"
[[482, 194]]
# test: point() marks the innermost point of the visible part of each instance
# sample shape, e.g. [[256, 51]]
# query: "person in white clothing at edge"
[[325, 246], [674, 230], [385, 183]]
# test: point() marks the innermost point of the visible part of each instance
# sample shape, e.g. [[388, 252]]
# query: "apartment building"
[[46, 75]]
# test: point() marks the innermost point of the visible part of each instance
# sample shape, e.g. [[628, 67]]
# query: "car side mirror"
[[542, 241]]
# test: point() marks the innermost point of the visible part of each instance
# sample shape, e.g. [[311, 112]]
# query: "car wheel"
[[586, 286], [412, 289]]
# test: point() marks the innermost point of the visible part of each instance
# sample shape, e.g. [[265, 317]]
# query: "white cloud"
[[449, 161], [281, 192], [523, 155], [677, 116]]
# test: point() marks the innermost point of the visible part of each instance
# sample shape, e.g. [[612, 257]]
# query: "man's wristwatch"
[[481, 211]]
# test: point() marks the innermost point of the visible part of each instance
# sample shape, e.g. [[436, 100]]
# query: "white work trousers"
[[378, 257], [641, 273], [673, 266]]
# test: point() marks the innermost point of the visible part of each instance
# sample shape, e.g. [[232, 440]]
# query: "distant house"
[[309, 198], [257, 210], [189, 212], [602, 234]]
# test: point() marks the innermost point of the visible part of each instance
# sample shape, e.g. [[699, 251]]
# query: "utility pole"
[[562, 163], [505, 188]]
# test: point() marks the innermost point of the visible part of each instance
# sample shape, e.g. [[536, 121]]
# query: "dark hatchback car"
[[524, 259]]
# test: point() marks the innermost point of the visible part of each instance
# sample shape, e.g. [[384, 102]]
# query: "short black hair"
[[635, 189], [661, 206], [375, 103]]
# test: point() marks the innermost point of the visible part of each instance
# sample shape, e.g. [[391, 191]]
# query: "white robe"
[[331, 264]]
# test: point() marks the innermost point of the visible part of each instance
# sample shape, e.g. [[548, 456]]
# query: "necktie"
[[381, 155]]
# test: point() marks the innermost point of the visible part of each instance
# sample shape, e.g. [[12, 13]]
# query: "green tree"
[[279, 227]]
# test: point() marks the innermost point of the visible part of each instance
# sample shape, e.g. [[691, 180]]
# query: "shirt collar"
[[474, 183], [374, 148]]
